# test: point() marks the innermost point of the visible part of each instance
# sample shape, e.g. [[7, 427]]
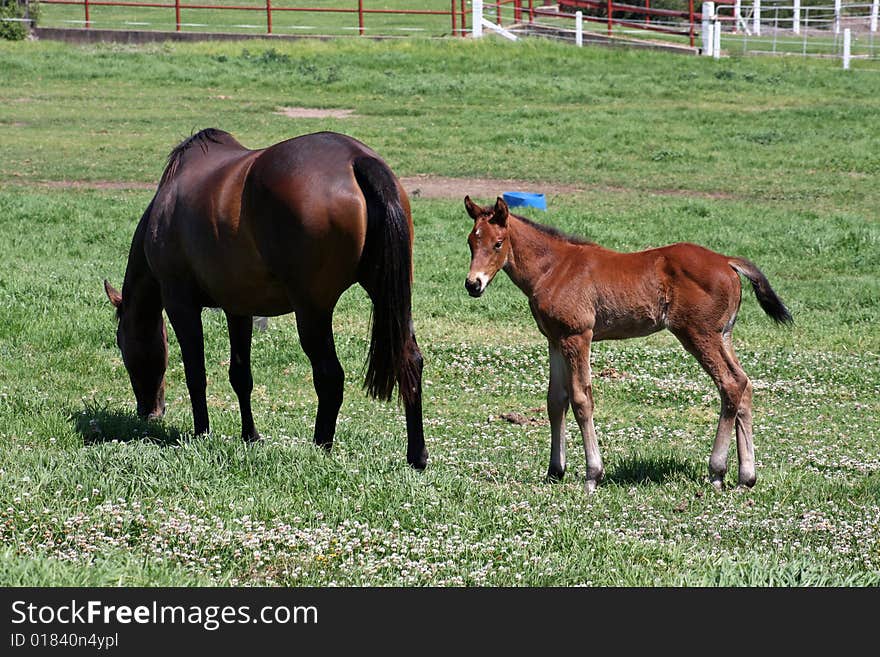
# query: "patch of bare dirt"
[[95, 184], [611, 373], [488, 189], [515, 417], [485, 189], [421, 186], [482, 190], [314, 113]]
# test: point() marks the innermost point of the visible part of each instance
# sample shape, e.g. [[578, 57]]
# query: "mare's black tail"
[[386, 273]]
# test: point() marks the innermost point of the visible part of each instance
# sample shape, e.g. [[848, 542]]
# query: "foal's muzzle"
[[474, 286]]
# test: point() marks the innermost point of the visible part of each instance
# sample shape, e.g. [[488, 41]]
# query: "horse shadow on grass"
[[641, 469], [102, 425]]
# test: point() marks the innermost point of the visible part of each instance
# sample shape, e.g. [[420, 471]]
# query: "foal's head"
[[144, 348], [488, 243]]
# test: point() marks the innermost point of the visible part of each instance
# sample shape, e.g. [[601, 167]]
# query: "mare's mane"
[[553, 232], [202, 138]]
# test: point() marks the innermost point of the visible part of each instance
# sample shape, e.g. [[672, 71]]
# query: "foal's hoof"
[[718, 483], [590, 486], [251, 438], [419, 461], [554, 475], [747, 480]]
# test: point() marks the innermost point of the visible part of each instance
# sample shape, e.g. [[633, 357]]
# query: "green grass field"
[[774, 160]]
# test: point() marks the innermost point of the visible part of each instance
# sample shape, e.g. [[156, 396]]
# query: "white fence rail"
[[781, 27], [788, 27]]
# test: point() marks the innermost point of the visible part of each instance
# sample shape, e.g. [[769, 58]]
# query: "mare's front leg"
[[316, 336], [557, 407], [410, 384], [576, 353], [187, 323], [240, 376]]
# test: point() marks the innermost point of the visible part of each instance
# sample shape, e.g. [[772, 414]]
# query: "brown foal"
[[580, 292]]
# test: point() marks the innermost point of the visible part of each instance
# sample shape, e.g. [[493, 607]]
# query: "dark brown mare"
[[265, 232], [580, 292]]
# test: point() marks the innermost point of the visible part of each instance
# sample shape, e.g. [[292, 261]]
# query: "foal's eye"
[[498, 244]]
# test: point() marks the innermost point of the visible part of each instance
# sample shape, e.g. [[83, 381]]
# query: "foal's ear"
[[500, 213], [112, 294], [472, 208]]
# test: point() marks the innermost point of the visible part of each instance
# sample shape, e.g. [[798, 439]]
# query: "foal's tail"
[[385, 271], [767, 298]]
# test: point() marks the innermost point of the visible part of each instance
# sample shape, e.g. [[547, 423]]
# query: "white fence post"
[[875, 9], [756, 18], [796, 17], [846, 48], [716, 37], [579, 28], [837, 16], [737, 15], [707, 36], [477, 18]]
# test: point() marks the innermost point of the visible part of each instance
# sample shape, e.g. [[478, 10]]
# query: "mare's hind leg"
[[715, 355], [410, 384], [187, 323], [240, 376], [316, 336], [557, 406]]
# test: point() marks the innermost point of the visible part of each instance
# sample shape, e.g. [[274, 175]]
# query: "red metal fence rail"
[[457, 10], [689, 17], [610, 7]]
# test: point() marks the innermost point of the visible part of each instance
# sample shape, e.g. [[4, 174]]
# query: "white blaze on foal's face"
[[488, 244]]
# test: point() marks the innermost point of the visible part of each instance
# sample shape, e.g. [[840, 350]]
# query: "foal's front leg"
[[576, 353], [240, 334], [557, 407]]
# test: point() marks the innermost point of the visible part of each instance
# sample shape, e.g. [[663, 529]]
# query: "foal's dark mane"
[[202, 138], [554, 232]]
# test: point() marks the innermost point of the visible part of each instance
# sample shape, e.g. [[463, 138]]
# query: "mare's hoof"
[[590, 486], [554, 476], [418, 462], [718, 483], [249, 439], [747, 480]]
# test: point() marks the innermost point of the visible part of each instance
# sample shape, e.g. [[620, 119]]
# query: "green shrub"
[[11, 10]]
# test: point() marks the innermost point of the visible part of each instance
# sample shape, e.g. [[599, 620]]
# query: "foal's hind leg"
[[745, 446], [557, 406], [316, 336], [715, 355], [240, 334]]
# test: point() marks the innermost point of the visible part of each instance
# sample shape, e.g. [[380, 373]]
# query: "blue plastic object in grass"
[[515, 199]]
